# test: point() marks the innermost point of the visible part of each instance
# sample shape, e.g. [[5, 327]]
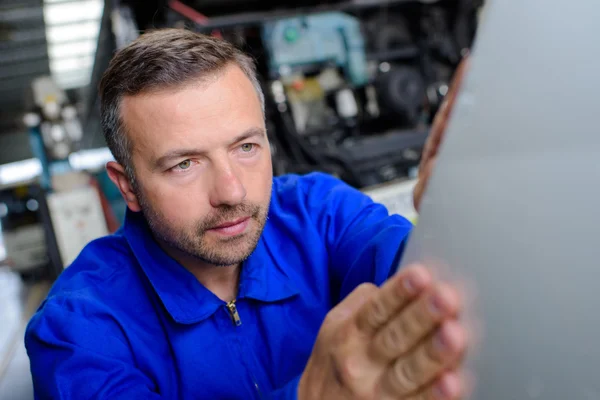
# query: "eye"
[[247, 147], [184, 165]]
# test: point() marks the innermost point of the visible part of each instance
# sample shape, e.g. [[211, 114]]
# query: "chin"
[[231, 250], [225, 259]]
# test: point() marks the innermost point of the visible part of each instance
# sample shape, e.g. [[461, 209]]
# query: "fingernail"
[[413, 283], [435, 306], [409, 285], [447, 387], [438, 392], [439, 342]]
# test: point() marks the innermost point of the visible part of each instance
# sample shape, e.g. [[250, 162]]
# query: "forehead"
[[206, 113]]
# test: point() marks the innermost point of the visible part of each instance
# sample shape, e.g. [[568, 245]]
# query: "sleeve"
[[74, 357], [363, 241]]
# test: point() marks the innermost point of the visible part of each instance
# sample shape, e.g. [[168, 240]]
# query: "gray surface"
[[512, 211], [17, 303], [11, 311], [16, 383]]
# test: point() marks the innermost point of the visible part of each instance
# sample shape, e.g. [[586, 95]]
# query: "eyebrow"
[[185, 153]]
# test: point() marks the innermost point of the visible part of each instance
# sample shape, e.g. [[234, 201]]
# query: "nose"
[[228, 188]]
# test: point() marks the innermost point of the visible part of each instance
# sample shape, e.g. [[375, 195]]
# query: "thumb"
[[438, 128], [421, 186]]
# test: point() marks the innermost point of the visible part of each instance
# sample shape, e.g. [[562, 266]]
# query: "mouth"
[[232, 228]]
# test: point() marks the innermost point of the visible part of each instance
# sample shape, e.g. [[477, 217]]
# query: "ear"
[[117, 174]]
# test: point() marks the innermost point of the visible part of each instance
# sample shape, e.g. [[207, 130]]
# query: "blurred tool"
[[57, 120], [303, 42]]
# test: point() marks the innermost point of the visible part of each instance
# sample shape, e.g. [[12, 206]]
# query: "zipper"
[[237, 321], [260, 396], [233, 313]]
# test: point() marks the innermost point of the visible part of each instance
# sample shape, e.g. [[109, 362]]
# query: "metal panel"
[[20, 36], [5, 4], [36, 52], [31, 69], [15, 84], [12, 15], [511, 212]]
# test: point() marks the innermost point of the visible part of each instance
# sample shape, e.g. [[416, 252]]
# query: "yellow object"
[[21, 191], [307, 90], [50, 99]]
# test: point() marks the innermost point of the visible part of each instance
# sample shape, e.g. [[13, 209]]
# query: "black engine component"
[[371, 160], [400, 93], [388, 31]]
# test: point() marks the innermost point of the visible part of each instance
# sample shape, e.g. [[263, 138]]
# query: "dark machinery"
[[351, 86]]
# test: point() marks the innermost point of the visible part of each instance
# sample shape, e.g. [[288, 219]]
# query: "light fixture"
[[20, 171], [72, 30], [90, 159], [72, 11], [62, 50], [71, 64], [76, 31]]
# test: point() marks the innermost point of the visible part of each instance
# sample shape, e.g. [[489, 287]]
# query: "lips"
[[229, 224], [230, 229]]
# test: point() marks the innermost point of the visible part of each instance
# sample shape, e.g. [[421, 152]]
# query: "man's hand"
[[436, 135], [401, 341]]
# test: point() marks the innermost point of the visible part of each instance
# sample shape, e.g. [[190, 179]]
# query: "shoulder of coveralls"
[[95, 287], [364, 241], [328, 201], [102, 265], [310, 189]]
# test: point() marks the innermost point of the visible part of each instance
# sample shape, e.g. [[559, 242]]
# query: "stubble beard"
[[194, 241]]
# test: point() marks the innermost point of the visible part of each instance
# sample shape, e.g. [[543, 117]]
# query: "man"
[[225, 283]]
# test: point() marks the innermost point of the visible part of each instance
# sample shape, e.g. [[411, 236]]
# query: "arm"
[[364, 242], [76, 357]]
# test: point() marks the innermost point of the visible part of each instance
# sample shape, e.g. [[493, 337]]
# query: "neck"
[[223, 281]]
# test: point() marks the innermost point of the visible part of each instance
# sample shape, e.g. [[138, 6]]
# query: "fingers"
[[455, 85], [430, 360], [457, 81], [441, 118], [424, 175], [448, 387], [437, 132], [394, 295], [416, 321], [352, 303]]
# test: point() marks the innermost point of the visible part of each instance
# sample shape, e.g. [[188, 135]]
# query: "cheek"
[[178, 205], [259, 180]]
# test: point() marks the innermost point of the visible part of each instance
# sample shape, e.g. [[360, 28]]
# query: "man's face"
[[202, 166]]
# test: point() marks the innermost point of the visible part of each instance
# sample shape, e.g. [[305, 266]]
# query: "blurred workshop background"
[[352, 87]]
